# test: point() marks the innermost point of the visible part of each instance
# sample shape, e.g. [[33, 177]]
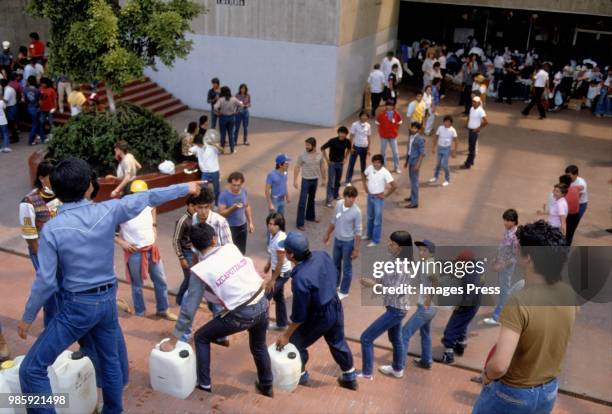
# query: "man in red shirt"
[[48, 103], [388, 122], [36, 49], [573, 207]]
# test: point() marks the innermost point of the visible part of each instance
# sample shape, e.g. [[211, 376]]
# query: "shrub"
[[92, 136]]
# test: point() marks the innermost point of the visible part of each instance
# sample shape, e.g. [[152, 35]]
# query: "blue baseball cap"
[[295, 242], [426, 243], [282, 158]]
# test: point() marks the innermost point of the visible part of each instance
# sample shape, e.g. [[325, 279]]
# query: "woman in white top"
[[280, 266]]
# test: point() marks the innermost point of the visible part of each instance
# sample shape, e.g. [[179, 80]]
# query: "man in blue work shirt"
[[79, 245], [276, 185], [317, 310]]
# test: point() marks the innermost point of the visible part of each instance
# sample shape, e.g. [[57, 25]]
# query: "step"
[[145, 95], [161, 105], [172, 110], [152, 100], [132, 90]]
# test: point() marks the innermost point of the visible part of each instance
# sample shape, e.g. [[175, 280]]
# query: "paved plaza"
[[518, 161]]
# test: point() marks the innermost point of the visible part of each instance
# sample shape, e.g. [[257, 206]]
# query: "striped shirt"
[[219, 223], [180, 239], [311, 164], [396, 279]]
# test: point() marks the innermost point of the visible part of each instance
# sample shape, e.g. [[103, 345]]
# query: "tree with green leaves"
[[114, 41]]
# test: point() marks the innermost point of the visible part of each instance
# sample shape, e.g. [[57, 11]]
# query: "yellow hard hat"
[[138, 186]]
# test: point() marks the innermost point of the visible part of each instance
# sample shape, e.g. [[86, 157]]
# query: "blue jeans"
[[582, 209], [253, 318], [213, 118], [456, 328], [326, 321], [603, 106], [278, 294], [242, 119], [499, 398], [52, 305], [35, 129], [420, 321], [442, 155], [343, 250], [80, 315], [375, 218], [390, 322], [45, 117], [213, 177], [383, 150], [472, 139], [414, 184], [504, 277], [227, 127], [334, 176], [279, 204], [156, 272], [306, 204], [362, 153], [188, 255], [5, 135]]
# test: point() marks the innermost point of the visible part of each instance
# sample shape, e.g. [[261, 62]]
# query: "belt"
[[243, 305], [98, 289]]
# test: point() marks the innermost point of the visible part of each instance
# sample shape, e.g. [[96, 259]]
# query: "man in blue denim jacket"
[[79, 245]]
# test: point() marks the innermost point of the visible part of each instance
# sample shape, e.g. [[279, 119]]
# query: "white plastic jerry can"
[[286, 367], [73, 373], [9, 374], [173, 372]]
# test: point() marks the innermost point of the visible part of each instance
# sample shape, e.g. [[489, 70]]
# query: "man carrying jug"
[[231, 281]]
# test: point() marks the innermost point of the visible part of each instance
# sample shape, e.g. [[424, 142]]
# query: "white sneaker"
[[398, 171], [372, 244], [274, 327], [349, 184], [388, 370], [361, 375], [365, 238], [341, 295], [433, 179], [490, 321], [445, 184]]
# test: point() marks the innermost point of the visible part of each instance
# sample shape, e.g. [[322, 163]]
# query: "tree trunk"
[[110, 99]]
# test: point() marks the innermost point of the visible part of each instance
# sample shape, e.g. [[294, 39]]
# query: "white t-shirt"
[[139, 230], [442, 60], [499, 62], [558, 209], [3, 120], [377, 179], [10, 96], [273, 248], [387, 67], [475, 118], [584, 195], [446, 135], [376, 81], [127, 166], [208, 157], [541, 79], [229, 275], [361, 133]]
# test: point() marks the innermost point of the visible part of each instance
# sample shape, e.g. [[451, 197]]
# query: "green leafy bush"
[[92, 136]]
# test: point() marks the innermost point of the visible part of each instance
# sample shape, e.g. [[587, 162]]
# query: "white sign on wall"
[[232, 2]]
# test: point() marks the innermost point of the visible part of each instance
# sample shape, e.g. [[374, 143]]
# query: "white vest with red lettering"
[[230, 275]]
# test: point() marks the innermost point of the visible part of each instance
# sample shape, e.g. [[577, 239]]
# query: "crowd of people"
[[210, 244]]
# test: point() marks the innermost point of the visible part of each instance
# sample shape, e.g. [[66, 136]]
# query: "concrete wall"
[[16, 25], [593, 7], [301, 21], [363, 18], [287, 81]]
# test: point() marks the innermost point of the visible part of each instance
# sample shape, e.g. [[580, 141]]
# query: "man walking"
[[360, 134], [312, 167], [476, 121], [540, 84], [234, 206], [276, 192], [339, 149], [388, 123], [212, 97], [387, 66], [375, 179], [376, 82], [80, 242], [317, 311], [416, 153]]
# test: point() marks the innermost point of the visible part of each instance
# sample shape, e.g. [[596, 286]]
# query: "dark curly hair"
[[547, 248]]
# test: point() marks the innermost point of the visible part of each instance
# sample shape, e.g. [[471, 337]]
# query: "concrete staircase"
[[143, 92]]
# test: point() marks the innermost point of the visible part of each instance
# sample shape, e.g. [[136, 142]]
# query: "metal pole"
[[529, 34], [484, 43]]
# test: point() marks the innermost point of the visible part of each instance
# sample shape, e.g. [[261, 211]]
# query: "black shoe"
[[460, 349], [412, 206], [419, 363], [465, 167], [222, 342], [207, 388], [408, 199], [542, 117], [447, 358], [348, 384], [267, 391]]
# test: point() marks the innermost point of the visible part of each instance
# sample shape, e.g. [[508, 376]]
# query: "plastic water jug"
[[73, 373], [6, 389], [173, 372], [286, 367], [10, 375]]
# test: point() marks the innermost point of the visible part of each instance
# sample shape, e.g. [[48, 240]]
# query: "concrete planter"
[[153, 180]]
